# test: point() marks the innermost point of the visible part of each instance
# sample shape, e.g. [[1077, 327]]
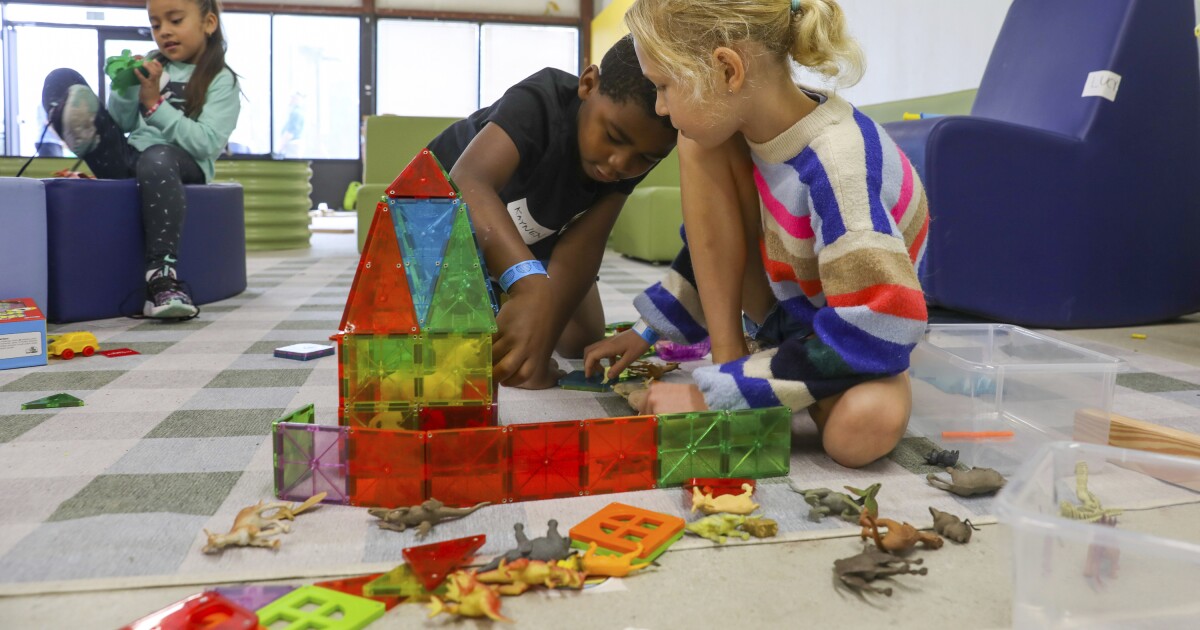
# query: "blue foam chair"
[[96, 267], [1058, 210], [23, 240]]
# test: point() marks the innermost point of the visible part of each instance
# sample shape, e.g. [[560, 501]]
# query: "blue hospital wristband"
[[520, 270], [643, 329]]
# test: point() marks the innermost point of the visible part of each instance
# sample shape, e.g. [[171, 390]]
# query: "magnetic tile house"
[[417, 414], [415, 341]]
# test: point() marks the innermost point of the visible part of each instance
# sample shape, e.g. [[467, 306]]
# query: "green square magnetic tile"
[[328, 325], [191, 324], [14, 426], [315, 607], [60, 381], [760, 442], [194, 423], [381, 368], [184, 493], [1154, 383], [304, 415], [260, 378], [55, 401], [690, 445]]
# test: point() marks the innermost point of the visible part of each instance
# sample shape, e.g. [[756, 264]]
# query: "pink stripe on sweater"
[[797, 227], [906, 188]]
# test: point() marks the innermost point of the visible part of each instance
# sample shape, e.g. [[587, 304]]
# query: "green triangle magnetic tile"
[[422, 229], [460, 301], [316, 607], [53, 402], [400, 582]]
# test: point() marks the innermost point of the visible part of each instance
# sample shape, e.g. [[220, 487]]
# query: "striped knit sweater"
[[844, 221]]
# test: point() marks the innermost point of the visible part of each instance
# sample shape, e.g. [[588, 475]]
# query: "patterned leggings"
[[161, 171]]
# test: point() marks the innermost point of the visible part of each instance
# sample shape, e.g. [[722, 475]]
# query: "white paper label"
[[531, 231], [20, 345], [1102, 83]]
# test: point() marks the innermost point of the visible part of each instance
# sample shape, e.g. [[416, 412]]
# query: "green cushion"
[[391, 142], [648, 228]]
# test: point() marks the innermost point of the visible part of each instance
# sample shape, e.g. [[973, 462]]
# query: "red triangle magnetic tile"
[[423, 177], [380, 301], [432, 563]]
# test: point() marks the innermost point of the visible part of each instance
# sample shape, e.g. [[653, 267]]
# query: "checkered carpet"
[[176, 439]]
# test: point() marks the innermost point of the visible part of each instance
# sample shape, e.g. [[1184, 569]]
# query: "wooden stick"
[[1124, 432]]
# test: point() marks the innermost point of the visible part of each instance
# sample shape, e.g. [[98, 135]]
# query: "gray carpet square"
[[1153, 383], [13, 426], [241, 397], [188, 455], [195, 423], [329, 326], [62, 381], [132, 544], [35, 498], [260, 378], [84, 424], [219, 308], [185, 493], [191, 324]]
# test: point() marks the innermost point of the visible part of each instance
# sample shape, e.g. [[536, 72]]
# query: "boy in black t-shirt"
[[545, 171]]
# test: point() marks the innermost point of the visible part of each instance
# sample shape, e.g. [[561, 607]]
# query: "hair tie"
[[795, 6]]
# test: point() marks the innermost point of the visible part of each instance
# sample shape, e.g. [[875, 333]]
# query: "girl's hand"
[[621, 350], [672, 398], [150, 88]]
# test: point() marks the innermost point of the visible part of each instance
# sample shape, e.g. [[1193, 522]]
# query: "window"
[[511, 52], [315, 87], [38, 50], [75, 15], [248, 52], [427, 68]]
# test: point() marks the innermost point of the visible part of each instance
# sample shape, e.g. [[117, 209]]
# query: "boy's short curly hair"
[[621, 79]]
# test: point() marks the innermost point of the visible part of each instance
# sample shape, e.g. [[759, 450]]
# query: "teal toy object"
[[120, 69]]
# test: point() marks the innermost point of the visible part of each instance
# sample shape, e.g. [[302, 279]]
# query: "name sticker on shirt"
[[531, 231], [1102, 83]]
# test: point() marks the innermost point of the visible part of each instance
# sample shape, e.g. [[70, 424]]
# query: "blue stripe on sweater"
[[756, 391], [862, 351], [825, 204], [873, 150], [675, 314]]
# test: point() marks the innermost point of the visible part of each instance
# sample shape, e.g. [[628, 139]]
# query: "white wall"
[[560, 8], [917, 47]]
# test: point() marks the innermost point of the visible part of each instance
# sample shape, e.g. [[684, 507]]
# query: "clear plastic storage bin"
[[1002, 378], [1140, 572]]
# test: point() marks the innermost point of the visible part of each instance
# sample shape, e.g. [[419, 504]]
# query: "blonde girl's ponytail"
[[820, 41]]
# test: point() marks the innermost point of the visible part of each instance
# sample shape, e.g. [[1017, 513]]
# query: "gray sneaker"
[[166, 298], [79, 120]]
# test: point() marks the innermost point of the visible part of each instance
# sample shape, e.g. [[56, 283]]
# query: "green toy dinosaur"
[[120, 69], [825, 502], [718, 526]]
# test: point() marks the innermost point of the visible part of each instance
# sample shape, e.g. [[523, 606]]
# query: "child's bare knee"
[[861, 429]]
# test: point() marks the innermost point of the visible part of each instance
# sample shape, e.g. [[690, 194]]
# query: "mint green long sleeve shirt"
[[204, 138]]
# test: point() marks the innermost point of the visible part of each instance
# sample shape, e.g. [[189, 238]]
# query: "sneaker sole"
[[172, 310], [79, 119]]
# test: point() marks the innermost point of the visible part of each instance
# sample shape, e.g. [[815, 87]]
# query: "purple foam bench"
[[95, 247]]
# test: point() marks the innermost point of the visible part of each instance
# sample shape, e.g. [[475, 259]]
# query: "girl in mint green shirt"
[[179, 117]]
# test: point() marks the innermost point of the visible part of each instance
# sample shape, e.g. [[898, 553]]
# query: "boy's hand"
[[621, 350], [672, 398], [522, 346], [150, 88]]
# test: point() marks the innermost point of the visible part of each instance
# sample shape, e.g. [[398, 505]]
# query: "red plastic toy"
[[432, 563], [207, 610]]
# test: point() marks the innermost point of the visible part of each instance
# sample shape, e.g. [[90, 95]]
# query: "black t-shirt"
[[548, 189]]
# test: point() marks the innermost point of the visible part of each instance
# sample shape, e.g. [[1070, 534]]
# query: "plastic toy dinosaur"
[[727, 503], [1089, 509], [252, 527], [521, 575], [866, 498], [423, 516], [467, 597], [942, 459], [611, 566], [718, 527], [856, 571], [899, 536], [548, 548], [825, 502], [951, 526], [649, 370], [967, 483], [760, 527]]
